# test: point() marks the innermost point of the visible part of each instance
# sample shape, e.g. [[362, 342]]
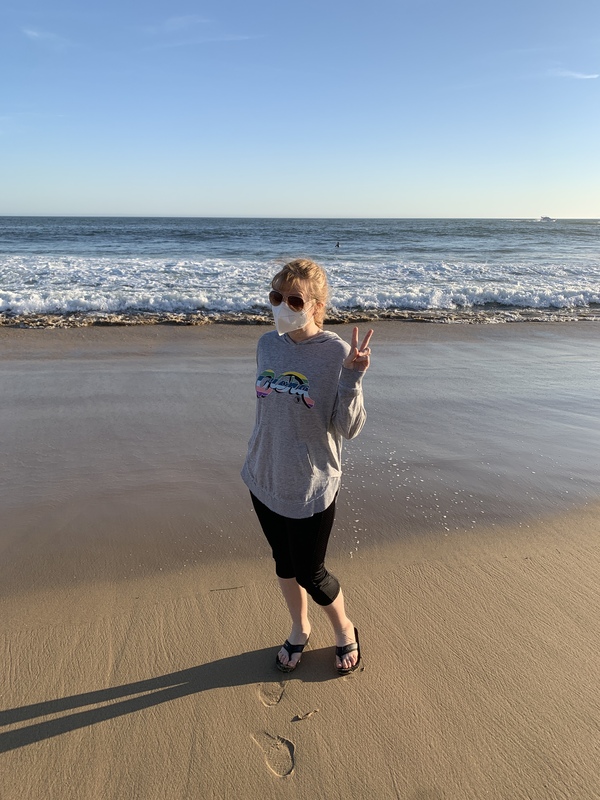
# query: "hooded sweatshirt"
[[307, 402]]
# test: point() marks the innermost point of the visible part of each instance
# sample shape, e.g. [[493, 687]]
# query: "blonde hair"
[[303, 269]]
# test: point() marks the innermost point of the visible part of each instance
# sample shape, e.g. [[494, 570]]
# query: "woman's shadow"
[[257, 666]]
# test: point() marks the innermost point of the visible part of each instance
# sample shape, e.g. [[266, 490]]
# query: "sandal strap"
[[293, 648], [347, 648]]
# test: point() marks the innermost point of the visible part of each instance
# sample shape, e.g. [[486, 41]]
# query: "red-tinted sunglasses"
[[294, 301]]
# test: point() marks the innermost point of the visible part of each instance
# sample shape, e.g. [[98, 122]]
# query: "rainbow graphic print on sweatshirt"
[[293, 383]]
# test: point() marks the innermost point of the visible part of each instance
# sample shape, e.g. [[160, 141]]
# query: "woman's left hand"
[[359, 358]]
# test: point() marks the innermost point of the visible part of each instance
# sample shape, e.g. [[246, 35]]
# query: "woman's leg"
[[297, 602], [308, 539], [299, 548], [275, 529], [343, 631], [308, 545]]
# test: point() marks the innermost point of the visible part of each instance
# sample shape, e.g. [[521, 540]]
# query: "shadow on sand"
[[249, 668]]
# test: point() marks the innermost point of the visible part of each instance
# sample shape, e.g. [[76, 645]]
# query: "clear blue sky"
[[317, 108]]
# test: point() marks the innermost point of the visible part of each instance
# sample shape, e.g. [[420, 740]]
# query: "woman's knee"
[[322, 586]]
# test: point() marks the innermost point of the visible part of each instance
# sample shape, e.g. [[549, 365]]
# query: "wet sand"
[[140, 612]]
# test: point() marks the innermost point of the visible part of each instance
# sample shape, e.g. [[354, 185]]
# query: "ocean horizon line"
[[531, 218]]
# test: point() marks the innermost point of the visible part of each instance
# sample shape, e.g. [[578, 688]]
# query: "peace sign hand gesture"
[[359, 359]]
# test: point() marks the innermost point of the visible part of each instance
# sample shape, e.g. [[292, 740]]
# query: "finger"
[[354, 344], [366, 340]]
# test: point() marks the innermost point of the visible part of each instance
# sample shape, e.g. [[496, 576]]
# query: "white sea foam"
[[224, 267], [36, 285]]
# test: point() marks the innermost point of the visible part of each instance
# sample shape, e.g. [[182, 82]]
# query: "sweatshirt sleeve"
[[349, 413]]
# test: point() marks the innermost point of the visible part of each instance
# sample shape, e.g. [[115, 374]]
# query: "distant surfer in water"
[[338, 244]]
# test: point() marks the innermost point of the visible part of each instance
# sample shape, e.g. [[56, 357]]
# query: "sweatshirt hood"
[[319, 338]]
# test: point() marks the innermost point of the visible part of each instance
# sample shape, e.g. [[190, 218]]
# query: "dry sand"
[[140, 615]]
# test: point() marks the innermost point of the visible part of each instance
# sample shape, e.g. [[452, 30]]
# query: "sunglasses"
[[294, 301]]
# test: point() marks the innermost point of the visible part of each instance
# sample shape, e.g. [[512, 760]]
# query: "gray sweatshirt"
[[306, 403]]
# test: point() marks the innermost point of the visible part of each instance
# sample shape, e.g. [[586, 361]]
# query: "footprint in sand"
[[278, 753], [271, 693]]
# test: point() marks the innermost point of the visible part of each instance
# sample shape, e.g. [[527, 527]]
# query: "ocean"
[[62, 271]]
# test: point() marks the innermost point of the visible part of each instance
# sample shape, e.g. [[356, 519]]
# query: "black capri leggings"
[[299, 547]]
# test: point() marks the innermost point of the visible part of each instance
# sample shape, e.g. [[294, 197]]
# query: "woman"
[[309, 398]]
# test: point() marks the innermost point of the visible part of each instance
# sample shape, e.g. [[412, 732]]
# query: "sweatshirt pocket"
[[281, 470], [323, 463], [299, 463], [289, 475]]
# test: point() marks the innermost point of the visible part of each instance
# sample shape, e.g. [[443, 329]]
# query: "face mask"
[[287, 320]]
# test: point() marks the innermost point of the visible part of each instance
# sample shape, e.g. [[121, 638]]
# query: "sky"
[[324, 108]]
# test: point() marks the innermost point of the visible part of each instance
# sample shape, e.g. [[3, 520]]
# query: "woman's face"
[[299, 297], [300, 289]]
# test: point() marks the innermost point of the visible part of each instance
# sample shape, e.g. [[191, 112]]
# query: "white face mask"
[[287, 320]]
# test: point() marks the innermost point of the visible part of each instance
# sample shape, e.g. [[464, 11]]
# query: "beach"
[[141, 614]]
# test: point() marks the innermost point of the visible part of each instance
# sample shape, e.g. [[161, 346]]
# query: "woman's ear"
[[317, 311]]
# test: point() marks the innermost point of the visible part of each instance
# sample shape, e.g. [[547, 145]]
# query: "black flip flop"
[[343, 651], [290, 649]]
